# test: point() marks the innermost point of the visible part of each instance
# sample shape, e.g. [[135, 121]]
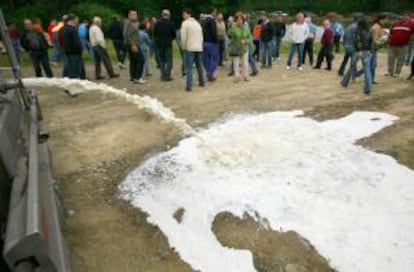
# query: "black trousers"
[[136, 64], [41, 59], [256, 53], [337, 40], [308, 50], [101, 55], [76, 67], [120, 50], [325, 53], [221, 44], [344, 62]]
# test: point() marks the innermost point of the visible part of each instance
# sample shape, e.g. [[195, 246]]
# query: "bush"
[[86, 11]]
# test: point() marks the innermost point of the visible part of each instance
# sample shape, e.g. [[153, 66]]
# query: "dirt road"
[[96, 140]]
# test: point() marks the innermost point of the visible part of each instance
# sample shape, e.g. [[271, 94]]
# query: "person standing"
[[192, 44], [136, 58], [115, 33], [266, 37], [257, 32], [349, 41], [240, 38], [145, 45], [97, 41], [164, 34], [211, 49], [398, 40], [280, 31], [57, 54], [363, 47], [15, 39], [338, 31], [180, 48], [84, 38], [299, 31], [327, 42], [377, 29], [221, 36], [309, 42], [36, 45]]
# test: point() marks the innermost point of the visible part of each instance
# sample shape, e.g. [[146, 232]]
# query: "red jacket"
[[49, 31], [400, 33], [327, 37]]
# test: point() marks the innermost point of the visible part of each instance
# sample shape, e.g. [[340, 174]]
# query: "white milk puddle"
[[354, 205]]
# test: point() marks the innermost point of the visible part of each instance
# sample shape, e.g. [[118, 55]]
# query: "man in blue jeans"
[[192, 44], [266, 38], [211, 48], [280, 31]]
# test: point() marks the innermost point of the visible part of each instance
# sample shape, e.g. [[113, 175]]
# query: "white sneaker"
[[121, 65], [288, 67], [141, 81], [300, 68]]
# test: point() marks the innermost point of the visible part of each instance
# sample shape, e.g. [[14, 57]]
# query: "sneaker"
[[139, 81], [100, 78], [300, 68], [121, 65], [254, 73], [114, 75], [288, 67], [188, 89]]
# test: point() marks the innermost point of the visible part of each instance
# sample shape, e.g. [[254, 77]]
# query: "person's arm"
[[183, 35]]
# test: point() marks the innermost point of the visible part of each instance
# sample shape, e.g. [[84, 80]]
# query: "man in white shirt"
[[97, 40], [192, 45], [299, 32]]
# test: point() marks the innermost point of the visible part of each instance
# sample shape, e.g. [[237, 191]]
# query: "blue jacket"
[[144, 40], [83, 32], [338, 29], [350, 35]]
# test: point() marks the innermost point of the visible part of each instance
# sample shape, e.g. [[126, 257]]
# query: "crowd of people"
[[208, 41]]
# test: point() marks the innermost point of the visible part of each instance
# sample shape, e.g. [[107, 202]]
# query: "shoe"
[[328, 69], [246, 79], [340, 74], [300, 68], [139, 81], [288, 67], [169, 79], [254, 73], [99, 78], [121, 65], [212, 79], [230, 74], [410, 76], [188, 89], [316, 67], [70, 94], [201, 85], [114, 75], [374, 82]]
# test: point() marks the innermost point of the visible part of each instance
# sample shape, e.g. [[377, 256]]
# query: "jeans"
[[308, 49], [211, 58], [277, 44], [86, 46], [65, 67], [75, 67], [396, 56], [299, 48], [252, 61], [267, 53], [147, 62], [120, 50], [373, 65], [190, 59], [325, 52], [136, 64], [366, 57], [39, 59], [349, 51], [101, 54], [165, 58], [337, 41], [56, 52], [409, 54]]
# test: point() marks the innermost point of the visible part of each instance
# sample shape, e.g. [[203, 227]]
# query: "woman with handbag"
[[238, 47]]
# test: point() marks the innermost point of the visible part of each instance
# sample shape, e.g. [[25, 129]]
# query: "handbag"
[[235, 49]]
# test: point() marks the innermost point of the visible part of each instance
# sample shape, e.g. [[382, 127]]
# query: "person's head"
[[326, 24], [380, 19], [220, 17], [72, 20], [37, 21], [64, 18], [166, 14], [96, 21], [53, 22], [264, 17], [357, 16], [212, 11], [133, 15], [187, 14], [300, 17], [239, 18], [28, 25], [279, 18]]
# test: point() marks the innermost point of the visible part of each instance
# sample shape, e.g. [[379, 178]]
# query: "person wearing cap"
[[398, 40], [164, 34], [97, 41]]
